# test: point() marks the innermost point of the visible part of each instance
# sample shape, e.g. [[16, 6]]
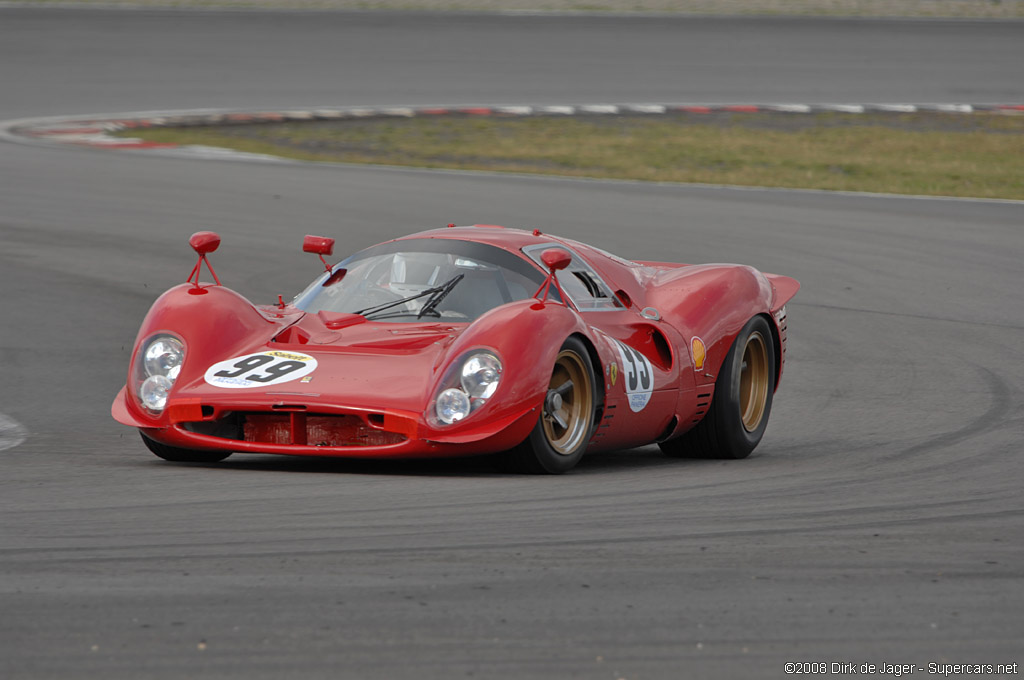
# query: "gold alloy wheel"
[[755, 381], [568, 404]]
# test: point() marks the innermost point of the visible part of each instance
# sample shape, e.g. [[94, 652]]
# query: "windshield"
[[423, 279]]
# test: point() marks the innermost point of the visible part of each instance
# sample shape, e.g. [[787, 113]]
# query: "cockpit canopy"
[[423, 279]]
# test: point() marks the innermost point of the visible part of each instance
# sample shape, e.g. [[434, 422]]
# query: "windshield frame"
[[475, 250]]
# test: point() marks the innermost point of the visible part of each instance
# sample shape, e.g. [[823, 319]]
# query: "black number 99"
[[273, 368]]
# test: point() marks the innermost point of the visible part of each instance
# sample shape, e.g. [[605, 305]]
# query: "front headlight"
[[471, 384], [480, 375], [158, 364], [163, 357], [452, 406], [154, 391]]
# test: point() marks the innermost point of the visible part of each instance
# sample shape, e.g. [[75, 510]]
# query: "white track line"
[[12, 432]]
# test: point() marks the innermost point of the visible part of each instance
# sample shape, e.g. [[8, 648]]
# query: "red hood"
[[368, 365]]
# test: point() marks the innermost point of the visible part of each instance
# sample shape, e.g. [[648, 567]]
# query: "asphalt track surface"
[[880, 521]]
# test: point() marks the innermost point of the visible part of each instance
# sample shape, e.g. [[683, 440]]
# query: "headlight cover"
[[472, 382], [163, 356], [480, 375], [157, 366], [452, 406]]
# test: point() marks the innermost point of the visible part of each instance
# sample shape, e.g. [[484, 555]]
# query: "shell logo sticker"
[[699, 352], [638, 377], [261, 369]]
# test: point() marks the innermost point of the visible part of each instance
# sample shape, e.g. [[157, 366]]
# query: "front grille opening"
[[301, 429]]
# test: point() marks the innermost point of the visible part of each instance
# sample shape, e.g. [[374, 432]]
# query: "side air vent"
[[605, 422], [703, 403]]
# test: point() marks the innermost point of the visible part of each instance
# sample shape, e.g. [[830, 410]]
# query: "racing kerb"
[[95, 131]]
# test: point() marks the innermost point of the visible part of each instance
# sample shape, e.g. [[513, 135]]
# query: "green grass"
[[976, 155]]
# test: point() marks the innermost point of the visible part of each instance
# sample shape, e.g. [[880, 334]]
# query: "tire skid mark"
[[994, 417], [188, 553]]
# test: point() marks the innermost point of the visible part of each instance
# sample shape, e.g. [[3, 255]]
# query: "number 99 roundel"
[[637, 375], [259, 370]]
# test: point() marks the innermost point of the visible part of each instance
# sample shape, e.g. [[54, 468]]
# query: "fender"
[[192, 313], [526, 335], [712, 302], [216, 312]]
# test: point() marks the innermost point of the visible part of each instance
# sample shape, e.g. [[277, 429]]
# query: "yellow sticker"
[[287, 355], [699, 352], [613, 372]]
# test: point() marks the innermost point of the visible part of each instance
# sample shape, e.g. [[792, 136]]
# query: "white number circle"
[[637, 376], [261, 369]]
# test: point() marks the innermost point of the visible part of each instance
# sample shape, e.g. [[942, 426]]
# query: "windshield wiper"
[[443, 289], [431, 304]]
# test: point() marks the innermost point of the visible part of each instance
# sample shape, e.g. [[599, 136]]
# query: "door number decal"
[[637, 377]]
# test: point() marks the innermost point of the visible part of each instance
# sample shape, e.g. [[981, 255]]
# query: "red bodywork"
[[374, 385]]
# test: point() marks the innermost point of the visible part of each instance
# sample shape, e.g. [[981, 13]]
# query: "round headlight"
[[153, 392], [480, 375], [163, 357], [452, 405]]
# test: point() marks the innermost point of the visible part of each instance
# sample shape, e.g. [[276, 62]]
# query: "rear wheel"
[[173, 453], [566, 421], [739, 411]]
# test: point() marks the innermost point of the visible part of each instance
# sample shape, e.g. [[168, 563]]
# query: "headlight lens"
[[480, 375], [467, 386], [163, 357], [153, 393], [452, 406], [157, 366]]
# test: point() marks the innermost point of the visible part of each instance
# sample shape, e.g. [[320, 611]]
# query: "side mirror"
[[556, 258], [318, 245], [204, 242]]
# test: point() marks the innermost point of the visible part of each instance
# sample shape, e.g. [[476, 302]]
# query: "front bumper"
[[329, 431]]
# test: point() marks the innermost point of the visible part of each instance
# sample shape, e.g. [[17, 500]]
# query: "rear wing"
[[783, 290]]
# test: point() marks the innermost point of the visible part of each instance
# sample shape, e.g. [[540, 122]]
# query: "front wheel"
[[174, 454], [742, 401], [566, 421]]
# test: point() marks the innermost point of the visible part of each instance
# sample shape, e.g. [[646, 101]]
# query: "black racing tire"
[[176, 455], [738, 416], [566, 423]]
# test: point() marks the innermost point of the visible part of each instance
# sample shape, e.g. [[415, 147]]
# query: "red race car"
[[464, 341]]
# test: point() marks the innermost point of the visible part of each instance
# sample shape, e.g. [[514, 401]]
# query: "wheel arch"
[[595, 360], [776, 345]]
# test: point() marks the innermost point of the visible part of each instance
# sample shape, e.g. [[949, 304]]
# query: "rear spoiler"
[[783, 290]]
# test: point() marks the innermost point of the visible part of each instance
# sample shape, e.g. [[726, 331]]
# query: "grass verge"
[[968, 155]]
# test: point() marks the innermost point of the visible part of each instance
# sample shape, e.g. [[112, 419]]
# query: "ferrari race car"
[[463, 341]]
